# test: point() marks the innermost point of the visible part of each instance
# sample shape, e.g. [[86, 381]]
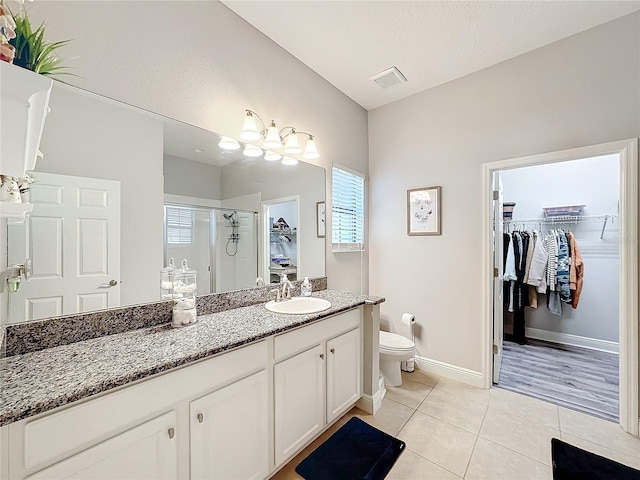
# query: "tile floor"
[[455, 431]]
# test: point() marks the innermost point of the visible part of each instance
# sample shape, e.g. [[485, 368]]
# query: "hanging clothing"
[[576, 271], [562, 273]]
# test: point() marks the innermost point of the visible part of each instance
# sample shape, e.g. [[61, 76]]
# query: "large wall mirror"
[[121, 190]]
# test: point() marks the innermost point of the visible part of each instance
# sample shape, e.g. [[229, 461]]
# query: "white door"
[[148, 451], [343, 373], [246, 265], [230, 431], [73, 240], [299, 401], [498, 284]]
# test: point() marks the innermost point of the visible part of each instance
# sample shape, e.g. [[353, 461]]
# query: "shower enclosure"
[[221, 244]]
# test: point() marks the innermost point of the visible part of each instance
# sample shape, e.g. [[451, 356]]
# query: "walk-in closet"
[[560, 253]]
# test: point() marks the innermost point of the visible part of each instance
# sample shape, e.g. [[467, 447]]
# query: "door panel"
[[343, 373], [73, 240]]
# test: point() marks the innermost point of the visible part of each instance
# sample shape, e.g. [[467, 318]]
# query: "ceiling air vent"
[[389, 78]]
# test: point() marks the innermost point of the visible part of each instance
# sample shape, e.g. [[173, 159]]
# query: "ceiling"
[[430, 42]]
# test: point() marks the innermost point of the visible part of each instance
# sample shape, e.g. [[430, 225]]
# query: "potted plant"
[[32, 51]]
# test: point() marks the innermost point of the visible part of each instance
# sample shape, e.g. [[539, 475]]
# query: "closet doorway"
[[566, 355]]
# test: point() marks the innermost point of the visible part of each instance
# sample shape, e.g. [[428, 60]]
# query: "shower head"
[[229, 216]]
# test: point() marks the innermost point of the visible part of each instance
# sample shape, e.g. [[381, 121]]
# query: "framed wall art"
[[424, 209]]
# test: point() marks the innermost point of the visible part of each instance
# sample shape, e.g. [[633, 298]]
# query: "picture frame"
[[424, 211], [320, 219]]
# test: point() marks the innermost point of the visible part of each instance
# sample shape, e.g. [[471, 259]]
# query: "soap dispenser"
[[305, 288]]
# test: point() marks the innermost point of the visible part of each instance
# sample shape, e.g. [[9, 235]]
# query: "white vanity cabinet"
[[229, 431], [146, 430], [148, 451], [317, 377], [238, 415]]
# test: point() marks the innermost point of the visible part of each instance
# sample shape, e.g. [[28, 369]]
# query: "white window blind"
[[179, 226], [347, 223]]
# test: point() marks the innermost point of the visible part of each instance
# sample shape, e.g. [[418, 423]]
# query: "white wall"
[[206, 75], [189, 178], [582, 90], [593, 182], [88, 137]]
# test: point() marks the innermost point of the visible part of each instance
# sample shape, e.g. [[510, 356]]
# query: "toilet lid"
[[393, 341]]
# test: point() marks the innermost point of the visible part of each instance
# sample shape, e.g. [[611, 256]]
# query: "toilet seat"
[[394, 343]]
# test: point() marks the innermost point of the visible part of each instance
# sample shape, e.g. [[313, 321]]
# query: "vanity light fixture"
[[228, 143], [272, 156], [252, 151], [289, 161], [273, 139]]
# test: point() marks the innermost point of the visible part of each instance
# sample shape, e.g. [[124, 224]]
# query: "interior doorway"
[[626, 154], [561, 341], [281, 245]]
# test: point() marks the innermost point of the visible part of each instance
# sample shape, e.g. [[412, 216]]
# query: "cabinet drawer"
[[55, 436], [301, 339]]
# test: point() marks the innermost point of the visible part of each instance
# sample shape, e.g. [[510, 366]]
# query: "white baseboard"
[[460, 374], [371, 404], [574, 340]]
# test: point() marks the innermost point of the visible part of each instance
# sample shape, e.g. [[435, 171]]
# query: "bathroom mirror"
[[121, 190]]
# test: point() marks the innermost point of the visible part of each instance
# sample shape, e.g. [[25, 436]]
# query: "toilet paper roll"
[[408, 319]]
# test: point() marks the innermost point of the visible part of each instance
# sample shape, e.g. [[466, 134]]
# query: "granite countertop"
[[36, 382]]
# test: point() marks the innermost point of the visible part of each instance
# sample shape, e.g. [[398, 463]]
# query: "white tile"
[[429, 379], [437, 441], [615, 455], [516, 433], [596, 430], [454, 409], [390, 418], [411, 466], [491, 461], [480, 395], [525, 407], [410, 393]]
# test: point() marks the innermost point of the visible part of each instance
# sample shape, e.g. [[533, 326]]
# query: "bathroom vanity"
[[236, 395]]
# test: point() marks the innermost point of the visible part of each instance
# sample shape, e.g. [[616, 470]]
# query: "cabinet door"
[[299, 401], [230, 431], [148, 451], [343, 373]]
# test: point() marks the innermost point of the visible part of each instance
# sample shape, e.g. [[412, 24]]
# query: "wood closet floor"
[[572, 377]]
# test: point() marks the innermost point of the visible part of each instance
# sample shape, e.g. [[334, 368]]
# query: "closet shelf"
[[564, 220]]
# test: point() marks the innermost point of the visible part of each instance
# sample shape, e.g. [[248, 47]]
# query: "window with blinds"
[[347, 223], [179, 226]]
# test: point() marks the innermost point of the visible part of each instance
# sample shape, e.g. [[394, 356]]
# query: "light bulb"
[[272, 156], [228, 143], [310, 149], [250, 131], [273, 137], [289, 161], [292, 145], [252, 151]]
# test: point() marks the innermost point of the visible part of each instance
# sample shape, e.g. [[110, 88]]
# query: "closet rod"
[[564, 219]]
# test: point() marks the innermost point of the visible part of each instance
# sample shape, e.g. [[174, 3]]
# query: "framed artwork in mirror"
[[424, 209], [320, 219]]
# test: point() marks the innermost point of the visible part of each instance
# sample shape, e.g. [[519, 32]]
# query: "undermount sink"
[[299, 305]]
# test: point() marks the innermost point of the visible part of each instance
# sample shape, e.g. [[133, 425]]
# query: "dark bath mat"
[[357, 451], [573, 463]]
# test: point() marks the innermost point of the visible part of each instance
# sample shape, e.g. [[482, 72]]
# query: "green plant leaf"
[[32, 50]]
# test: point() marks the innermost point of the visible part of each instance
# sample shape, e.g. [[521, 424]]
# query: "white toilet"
[[394, 348]]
